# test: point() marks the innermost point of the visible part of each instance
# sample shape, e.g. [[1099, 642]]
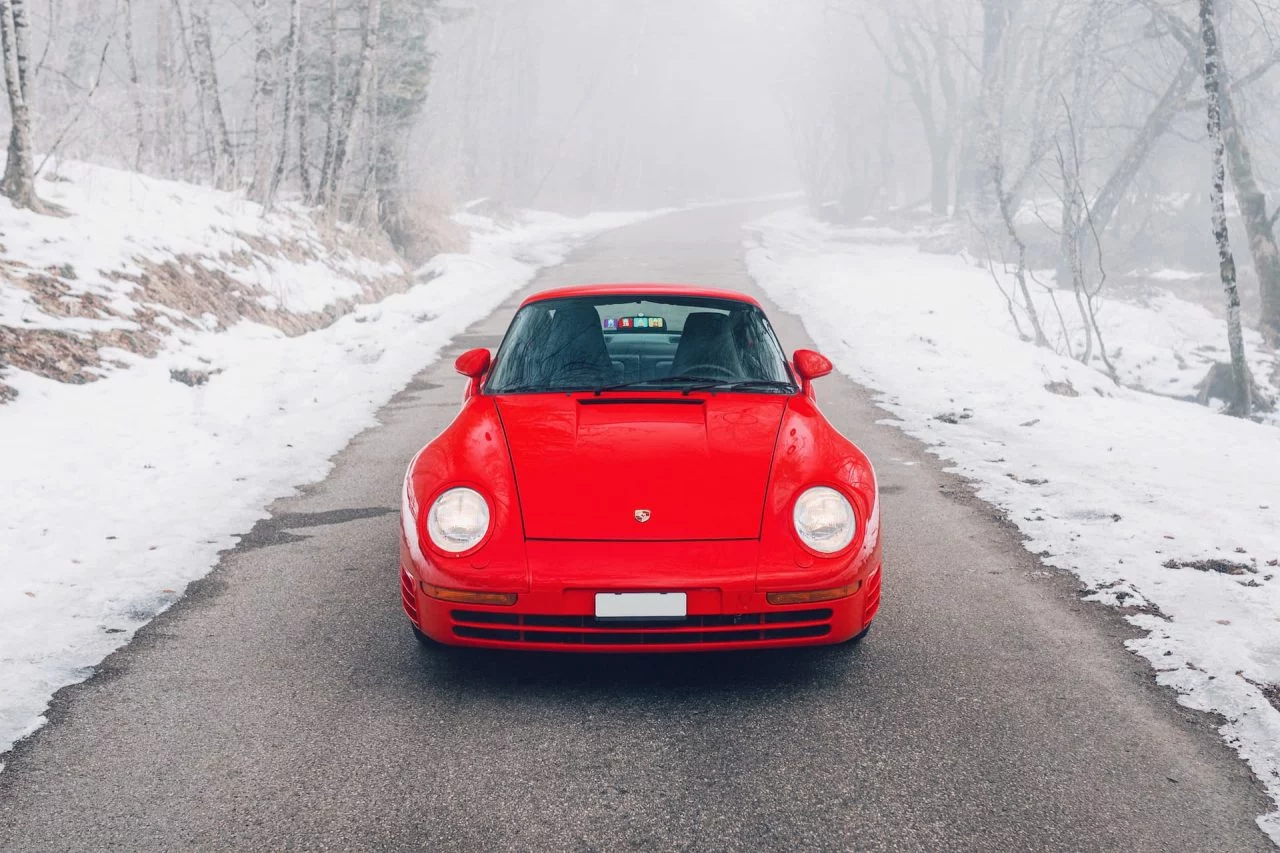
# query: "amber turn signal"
[[810, 596], [462, 596]]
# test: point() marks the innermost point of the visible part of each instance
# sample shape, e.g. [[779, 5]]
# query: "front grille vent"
[[693, 630]]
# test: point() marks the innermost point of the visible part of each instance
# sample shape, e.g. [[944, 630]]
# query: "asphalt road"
[[283, 704]]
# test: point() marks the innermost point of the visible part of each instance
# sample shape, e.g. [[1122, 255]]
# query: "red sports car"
[[640, 469]]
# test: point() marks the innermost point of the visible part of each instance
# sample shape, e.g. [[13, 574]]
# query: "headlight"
[[824, 520], [458, 520]]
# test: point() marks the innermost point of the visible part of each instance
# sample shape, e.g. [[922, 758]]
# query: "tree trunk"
[[21, 41], [1070, 264], [1004, 206], [162, 153], [83, 27], [352, 108], [304, 130], [367, 198], [979, 161], [1253, 210], [916, 73], [1075, 206], [1158, 121], [19, 174], [263, 100], [292, 49], [1252, 201], [135, 90], [1241, 405], [222, 154], [939, 178], [331, 115], [942, 47]]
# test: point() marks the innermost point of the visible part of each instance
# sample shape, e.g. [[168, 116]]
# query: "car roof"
[[640, 289]]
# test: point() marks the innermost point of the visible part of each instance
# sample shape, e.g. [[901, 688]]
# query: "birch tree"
[[1252, 200], [19, 174], [332, 110], [135, 85], [330, 190], [166, 93], [1241, 405], [263, 99], [292, 87], [221, 152], [399, 101]]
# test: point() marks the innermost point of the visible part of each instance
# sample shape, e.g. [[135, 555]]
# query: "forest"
[[1071, 142]]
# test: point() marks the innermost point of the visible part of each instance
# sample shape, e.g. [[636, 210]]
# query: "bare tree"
[[330, 190], [304, 129], [222, 154], [921, 52], [982, 147], [292, 85], [1004, 204], [19, 174], [1259, 224], [332, 111], [135, 86], [1155, 125], [1241, 405], [166, 92], [263, 100]]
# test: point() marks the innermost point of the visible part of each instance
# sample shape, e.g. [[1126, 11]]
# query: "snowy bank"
[[1163, 508], [116, 494], [136, 259]]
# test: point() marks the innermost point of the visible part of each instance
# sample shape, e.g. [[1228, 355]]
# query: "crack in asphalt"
[[275, 530]]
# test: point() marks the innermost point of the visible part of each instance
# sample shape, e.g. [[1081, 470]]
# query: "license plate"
[[641, 605]]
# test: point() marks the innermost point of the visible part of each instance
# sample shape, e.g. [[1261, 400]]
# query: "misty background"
[[1065, 136]]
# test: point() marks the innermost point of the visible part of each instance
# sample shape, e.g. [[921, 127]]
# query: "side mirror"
[[474, 363], [811, 365]]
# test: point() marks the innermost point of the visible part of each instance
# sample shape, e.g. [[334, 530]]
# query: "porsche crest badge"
[[643, 515]]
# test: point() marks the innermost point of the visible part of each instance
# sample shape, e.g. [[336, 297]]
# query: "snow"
[[116, 494], [1118, 486], [1169, 274], [118, 217]]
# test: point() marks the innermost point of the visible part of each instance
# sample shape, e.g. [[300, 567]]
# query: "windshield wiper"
[[530, 389], [702, 383], [697, 383], [778, 384]]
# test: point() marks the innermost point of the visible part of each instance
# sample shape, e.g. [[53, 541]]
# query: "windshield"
[[617, 341]]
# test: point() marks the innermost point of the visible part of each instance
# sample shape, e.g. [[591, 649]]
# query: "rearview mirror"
[[473, 363], [810, 364]]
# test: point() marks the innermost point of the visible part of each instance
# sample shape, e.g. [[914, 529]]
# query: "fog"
[[867, 106], [1074, 129], [578, 104]]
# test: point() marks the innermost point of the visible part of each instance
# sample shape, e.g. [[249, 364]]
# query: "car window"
[[579, 343]]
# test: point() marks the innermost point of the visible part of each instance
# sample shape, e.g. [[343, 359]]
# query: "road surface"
[[283, 705]]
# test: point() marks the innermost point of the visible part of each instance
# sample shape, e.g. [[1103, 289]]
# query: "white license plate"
[[641, 605]]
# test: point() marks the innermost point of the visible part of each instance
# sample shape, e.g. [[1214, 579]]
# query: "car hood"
[[694, 467]]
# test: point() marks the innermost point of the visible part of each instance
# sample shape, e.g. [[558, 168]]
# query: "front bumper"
[[725, 611]]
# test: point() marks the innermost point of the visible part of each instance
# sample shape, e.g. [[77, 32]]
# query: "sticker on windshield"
[[635, 323]]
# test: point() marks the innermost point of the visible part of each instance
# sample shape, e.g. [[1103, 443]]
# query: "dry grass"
[[423, 228], [180, 290]]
